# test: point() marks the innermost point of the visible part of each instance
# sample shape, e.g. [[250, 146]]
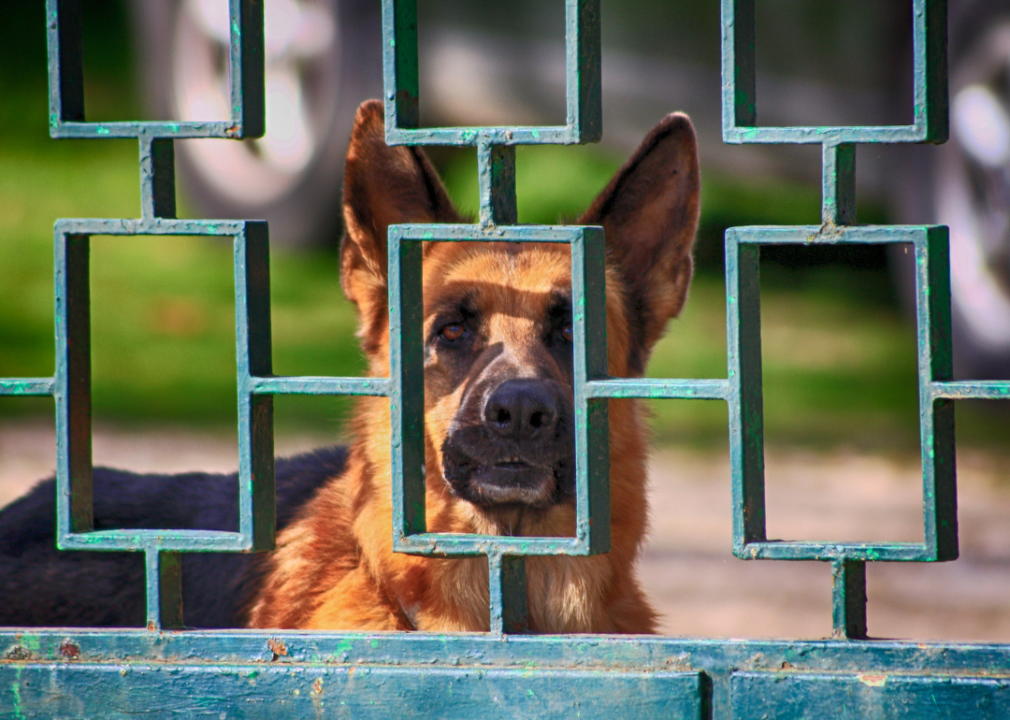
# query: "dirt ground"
[[687, 567]]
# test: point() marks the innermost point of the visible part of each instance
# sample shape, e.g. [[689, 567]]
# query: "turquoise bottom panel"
[[800, 696], [240, 692], [78, 673]]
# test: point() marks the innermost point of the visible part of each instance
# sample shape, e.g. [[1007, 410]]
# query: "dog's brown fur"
[[334, 568]]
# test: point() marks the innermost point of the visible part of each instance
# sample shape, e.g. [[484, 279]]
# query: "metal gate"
[[161, 671]]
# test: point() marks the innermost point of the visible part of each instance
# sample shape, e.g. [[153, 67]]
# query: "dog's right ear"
[[383, 186], [649, 211]]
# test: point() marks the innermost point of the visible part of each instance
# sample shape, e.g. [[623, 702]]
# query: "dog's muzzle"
[[518, 450]]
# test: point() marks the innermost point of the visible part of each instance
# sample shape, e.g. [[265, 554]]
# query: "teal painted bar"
[[466, 545], [479, 233], [308, 385], [165, 540], [658, 389], [27, 387], [848, 578], [971, 389], [496, 180], [164, 589], [252, 691], [507, 580], [832, 551]]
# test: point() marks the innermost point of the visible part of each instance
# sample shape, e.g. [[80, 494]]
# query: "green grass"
[[839, 361]]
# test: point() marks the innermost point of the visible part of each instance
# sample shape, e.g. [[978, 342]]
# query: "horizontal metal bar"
[[308, 385], [804, 550], [67, 646], [154, 130], [827, 135], [256, 691], [149, 226], [47, 666], [473, 136], [27, 387], [468, 545], [659, 388], [181, 540], [971, 390], [480, 233], [828, 235]]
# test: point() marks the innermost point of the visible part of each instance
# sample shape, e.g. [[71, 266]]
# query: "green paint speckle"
[[19, 710], [374, 643], [102, 130]]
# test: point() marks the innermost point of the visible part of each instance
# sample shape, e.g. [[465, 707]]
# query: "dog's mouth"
[[508, 481], [512, 483]]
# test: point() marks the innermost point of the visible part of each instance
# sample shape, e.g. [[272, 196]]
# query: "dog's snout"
[[521, 409]]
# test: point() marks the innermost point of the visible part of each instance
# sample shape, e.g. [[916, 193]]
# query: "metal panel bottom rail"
[[72, 673]]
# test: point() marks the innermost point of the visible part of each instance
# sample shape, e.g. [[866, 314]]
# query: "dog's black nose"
[[522, 409]]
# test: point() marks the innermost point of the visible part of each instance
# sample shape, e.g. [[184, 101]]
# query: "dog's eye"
[[452, 332], [567, 333]]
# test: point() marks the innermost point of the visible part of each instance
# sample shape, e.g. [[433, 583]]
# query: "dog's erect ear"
[[382, 186], [649, 212]]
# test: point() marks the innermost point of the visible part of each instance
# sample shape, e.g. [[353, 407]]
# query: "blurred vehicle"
[[322, 59], [845, 63]]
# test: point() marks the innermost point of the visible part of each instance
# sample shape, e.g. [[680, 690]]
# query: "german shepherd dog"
[[499, 435]]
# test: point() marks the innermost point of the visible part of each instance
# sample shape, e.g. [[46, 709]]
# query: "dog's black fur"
[[40, 585]]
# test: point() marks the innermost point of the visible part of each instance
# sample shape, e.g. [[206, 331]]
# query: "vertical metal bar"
[[406, 363], [164, 589], [507, 592], [66, 61], [584, 104], [936, 416], [247, 67], [739, 97], [746, 422], [496, 167], [399, 63], [592, 427], [838, 184], [72, 389], [849, 599], [157, 177], [257, 505], [929, 37]]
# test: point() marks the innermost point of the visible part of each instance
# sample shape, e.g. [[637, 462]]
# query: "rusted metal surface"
[[310, 675]]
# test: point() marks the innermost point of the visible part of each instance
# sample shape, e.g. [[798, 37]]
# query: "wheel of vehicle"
[[968, 189], [322, 60]]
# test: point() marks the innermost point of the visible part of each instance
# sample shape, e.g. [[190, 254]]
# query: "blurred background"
[[841, 399]]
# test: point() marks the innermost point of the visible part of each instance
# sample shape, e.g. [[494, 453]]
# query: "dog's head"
[[498, 317]]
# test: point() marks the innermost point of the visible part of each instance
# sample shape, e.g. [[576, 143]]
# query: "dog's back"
[[41, 585]]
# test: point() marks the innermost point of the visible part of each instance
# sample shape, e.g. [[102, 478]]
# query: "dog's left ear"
[[649, 212], [382, 186]]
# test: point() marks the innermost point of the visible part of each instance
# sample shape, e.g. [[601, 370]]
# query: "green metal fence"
[[163, 671]]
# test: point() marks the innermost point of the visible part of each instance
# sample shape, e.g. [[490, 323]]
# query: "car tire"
[[965, 184], [320, 66]]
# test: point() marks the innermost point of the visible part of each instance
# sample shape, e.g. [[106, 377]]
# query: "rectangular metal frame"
[[583, 122]]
